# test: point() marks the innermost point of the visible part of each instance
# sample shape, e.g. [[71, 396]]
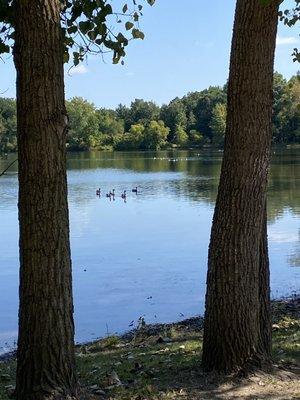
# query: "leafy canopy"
[[87, 27], [288, 17]]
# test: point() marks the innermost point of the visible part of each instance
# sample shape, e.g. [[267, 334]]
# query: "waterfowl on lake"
[[123, 195], [112, 193], [135, 190], [98, 192]]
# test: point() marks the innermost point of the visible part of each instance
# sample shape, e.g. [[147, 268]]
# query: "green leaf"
[[72, 29], [137, 34], [4, 48], [66, 57], [151, 2], [125, 8], [101, 29], [92, 35], [76, 58], [129, 25], [85, 26], [108, 9]]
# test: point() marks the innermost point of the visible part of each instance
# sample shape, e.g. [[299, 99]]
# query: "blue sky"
[[186, 48]]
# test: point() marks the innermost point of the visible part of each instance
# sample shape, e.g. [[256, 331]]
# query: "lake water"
[[147, 257]]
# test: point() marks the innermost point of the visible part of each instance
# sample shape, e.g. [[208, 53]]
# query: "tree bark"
[[46, 329], [237, 316]]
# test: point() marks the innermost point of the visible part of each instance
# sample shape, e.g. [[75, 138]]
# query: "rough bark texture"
[[46, 329], [237, 320]]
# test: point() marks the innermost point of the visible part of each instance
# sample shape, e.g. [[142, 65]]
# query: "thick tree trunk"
[[237, 320], [46, 329]]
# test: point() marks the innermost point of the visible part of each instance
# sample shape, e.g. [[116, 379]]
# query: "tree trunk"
[[46, 329], [237, 316]]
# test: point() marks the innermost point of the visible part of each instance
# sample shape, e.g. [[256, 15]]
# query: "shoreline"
[[285, 306]]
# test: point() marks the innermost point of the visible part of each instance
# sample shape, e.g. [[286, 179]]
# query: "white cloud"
[[280, 40], [78, 70]]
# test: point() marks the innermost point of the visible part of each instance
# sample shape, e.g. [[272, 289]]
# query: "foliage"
[[84, 124], [286, 116], [290, 17], [8, 125], [86, 27], [196, 138], [173, 115], [142, 111], [181, 137], [218, 124], [155, 136], [196, 119]]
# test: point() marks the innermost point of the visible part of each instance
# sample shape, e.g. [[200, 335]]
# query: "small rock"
[[99, 392], [113, 379], [93, 387]]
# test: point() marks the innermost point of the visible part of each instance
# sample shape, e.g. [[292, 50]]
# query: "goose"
[[135, 190], [123, 195], [98, 192], [112, 193]]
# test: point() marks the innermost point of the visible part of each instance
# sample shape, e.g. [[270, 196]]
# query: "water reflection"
[[147, 256]]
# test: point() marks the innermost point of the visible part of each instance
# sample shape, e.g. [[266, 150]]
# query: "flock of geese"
[[111, 194]]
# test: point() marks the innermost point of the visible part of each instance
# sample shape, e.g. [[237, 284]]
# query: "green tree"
[[123, 113], [294, 117], [218, 124], [180, 136], [282, 104], [84, 124], [155, 135], [195, 138], [8, 125], [109, 124], [137, 130], [191, 120], [142, 111], [202, 104], [131, 140], [172, 115]]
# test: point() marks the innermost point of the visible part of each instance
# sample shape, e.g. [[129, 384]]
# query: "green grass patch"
[[155, 366]]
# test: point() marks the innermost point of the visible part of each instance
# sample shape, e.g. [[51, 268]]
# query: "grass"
[[286, 341], [165, 364]]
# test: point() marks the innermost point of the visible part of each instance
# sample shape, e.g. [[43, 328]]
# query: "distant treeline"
[[196, 119]]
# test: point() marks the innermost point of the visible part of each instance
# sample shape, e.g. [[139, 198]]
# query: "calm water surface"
[[147, 257]]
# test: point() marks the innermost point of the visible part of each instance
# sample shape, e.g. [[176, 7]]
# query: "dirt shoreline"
[[286, 306]]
